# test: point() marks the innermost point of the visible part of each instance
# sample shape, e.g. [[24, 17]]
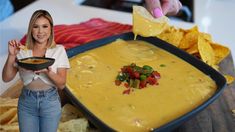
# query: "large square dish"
[[207, 70]]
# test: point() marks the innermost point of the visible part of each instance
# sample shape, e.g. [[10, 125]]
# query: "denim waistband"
[[38, 92]]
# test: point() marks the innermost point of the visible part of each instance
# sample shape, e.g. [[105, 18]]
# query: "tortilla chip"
[[145, 24], [7, 116], [13, 119], [233, 111], [14, 127], [8, 102], [229, 79], [193, 49], [190, 38], [74, 125], [206, 36], [69, 112], [206, 51], [172, 36], [220, 52]]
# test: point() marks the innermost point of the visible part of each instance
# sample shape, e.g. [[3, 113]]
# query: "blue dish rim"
[[206, 69]]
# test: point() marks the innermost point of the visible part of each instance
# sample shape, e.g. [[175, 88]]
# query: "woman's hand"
[[159, 8], [9, 70], [13, 47], [45, 70]]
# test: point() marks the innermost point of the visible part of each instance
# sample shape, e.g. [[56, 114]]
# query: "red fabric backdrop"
[[77, 34]]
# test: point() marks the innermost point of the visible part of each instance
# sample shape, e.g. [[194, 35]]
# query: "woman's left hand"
[[45, 70]]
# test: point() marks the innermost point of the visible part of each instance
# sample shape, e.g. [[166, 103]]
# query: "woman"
[[39, 107]]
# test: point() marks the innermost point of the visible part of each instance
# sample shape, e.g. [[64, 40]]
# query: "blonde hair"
[[30, 40]]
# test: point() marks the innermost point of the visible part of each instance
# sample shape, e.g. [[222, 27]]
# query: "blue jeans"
[[39, 111]]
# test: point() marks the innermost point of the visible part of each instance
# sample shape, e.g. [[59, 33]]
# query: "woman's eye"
[[45, 26], [35, 26]]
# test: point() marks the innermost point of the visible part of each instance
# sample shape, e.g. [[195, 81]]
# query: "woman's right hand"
[[13, 47], [9, 70]]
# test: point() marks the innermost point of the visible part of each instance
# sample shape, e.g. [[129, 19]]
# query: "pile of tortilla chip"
[[193, 41], [8, 115], [196, 43], [71, 118]]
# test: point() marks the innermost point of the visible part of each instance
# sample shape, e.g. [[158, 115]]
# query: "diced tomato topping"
[[126, 91], [151, 80], [118, 82], [126, 85], [129, 70], [137, 75], [143, 84], [123, 69]]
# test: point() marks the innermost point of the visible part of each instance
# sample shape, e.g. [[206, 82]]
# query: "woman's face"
[[41, 30]]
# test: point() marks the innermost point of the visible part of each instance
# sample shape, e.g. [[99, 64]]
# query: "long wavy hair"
[[30, 41]]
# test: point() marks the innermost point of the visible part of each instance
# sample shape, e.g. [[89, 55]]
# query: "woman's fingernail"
[[157, 12]]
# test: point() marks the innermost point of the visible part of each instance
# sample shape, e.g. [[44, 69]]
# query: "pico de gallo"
[[136, 77]]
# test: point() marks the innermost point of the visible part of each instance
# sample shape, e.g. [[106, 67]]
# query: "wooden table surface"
[[218, 116]]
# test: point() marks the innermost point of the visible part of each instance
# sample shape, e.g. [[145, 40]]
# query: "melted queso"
[[181, 88]]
